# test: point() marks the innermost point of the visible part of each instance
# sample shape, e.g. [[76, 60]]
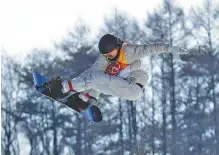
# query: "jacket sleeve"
[[141, 51], [99, 65]]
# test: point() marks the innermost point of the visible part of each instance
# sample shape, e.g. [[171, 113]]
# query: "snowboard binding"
[[52, 88]]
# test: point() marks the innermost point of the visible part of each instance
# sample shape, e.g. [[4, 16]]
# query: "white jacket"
[[94, 80]]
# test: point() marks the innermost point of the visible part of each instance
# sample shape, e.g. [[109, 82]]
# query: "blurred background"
[[179, 112]]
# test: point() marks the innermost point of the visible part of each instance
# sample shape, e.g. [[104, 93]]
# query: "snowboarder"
[[117, 70]]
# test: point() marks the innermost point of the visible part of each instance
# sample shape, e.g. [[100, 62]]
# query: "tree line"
[[178, 114]]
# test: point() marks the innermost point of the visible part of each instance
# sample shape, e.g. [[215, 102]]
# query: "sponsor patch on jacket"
[[115, 67]]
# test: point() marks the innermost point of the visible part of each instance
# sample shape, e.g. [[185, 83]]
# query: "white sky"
[[28, 24]]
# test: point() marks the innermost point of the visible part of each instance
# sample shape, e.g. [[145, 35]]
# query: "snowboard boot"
[[68, 86], [64, 91], [55, 89]]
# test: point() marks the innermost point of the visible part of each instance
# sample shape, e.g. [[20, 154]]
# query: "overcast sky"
[[27, 24]]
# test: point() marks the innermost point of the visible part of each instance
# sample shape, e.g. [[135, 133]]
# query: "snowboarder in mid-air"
[[116, 72]]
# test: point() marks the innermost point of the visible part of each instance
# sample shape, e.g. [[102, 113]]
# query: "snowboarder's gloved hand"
[[177, 50], [180, 53], [183, 51], [139, 77]]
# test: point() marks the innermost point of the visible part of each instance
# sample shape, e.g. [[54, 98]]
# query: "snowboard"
[[71, 99]]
